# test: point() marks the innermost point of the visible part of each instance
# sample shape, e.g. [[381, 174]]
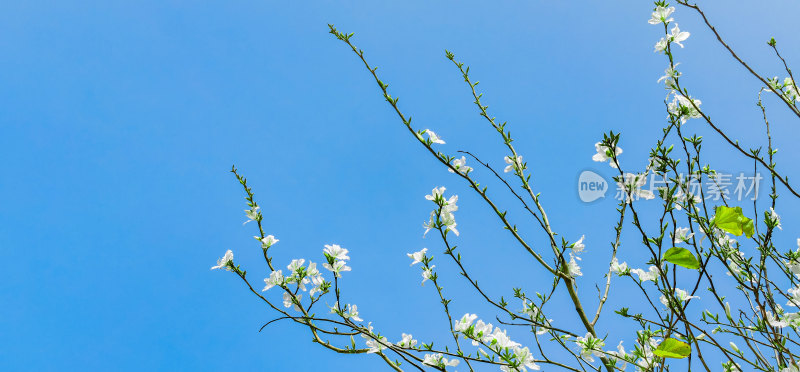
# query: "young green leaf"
[[672, 348], [733, 221], [682, 257]]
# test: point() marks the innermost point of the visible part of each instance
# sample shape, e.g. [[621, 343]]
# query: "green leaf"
[[733, 221], [672, 348], [682, 257]]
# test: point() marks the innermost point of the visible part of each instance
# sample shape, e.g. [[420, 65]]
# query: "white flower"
[[375, 345], [252, 214], [680, 295], [295, 266], [621, 354], [619, 268], [604, 153], [461, 166], [312, 269], [444, 214], [683, 108], [579, 246], [266, 241], [275, 278], [529, 309], [775, 218], [336, 252], [417, 256], [433, 137], [463, 324], [338, 267], [590, 345], [481, 331], [670, 75], [499, 340], [661, 45], [427, 273], [407, 341], [512, 164], [352, 313], [374, 342], [661, 15], [682, 234], [524, 357], [437, 193], [223, 262], [438, 360], [677, 36], [644, 276], [632, 186], [317, 281], [573, 268], [287, 300], [680, 197], [794, 300]]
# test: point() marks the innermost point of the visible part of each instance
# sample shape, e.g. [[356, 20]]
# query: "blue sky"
[[120, 122]]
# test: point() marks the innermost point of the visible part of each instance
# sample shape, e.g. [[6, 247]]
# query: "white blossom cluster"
[[516, 357]]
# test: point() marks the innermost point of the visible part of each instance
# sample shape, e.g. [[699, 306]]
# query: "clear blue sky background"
[[119, 122]]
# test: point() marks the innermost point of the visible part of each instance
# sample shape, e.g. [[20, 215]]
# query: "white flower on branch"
[[375, 342], [590, 345], [252, 214], [524, 359], [513, 164], [572, 267], [288, 300], [316, 281], [225, 262], [349, 311], [680, 295], [275, 278], [775, 219], [661, 15], [295, 266], [578, 246], [619, 268], [417, 257], [670, 75], [427, 273], [438, 360], [632, 185], [266, 241], [682, 107], [650, 275], [444, 214], [661, 45], [682, 234], [463, 324], [677, 36], [605, 154], [338, 267], [794, 297], [336, 252], [499, 340], [407, 341], [681, 198], [461, 166], [433, 137], [436, 194]]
